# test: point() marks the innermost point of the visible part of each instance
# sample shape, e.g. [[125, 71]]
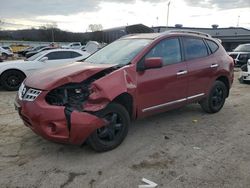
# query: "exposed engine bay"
[[73, 95]]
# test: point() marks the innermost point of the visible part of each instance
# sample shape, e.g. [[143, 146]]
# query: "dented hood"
[[51, 78]]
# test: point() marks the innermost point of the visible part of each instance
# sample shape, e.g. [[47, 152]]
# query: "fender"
[[106, 89]]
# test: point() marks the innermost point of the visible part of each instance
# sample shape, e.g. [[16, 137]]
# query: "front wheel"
[[216, 98], [110, 136], [12, 79]]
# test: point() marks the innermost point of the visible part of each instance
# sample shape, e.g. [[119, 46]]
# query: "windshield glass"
[[119, 52], [34, 57], [243, 48]]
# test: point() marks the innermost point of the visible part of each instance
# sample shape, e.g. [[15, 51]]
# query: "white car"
[[6, 52], [245, 73], [73, 45], [12, 73]]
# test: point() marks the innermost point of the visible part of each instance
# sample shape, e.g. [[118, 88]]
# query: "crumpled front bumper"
[[51, 122]]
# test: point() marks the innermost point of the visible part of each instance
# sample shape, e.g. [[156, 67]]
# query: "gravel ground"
[[181, 148]]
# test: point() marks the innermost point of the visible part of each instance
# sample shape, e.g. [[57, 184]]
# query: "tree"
[[95, 27]]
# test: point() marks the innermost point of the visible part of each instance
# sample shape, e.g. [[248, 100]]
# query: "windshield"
[[243, 48], [34, 57], [119, 52]]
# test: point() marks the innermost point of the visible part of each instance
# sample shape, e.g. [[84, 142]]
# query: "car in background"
[[73, 45], [134, 77], [245, 73], [6, 52], [37, 50], [92, 47], [12, 73], [241, 54]]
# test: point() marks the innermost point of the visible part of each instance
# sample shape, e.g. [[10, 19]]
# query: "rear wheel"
[[110, 136], [216, 98], [11, 80]]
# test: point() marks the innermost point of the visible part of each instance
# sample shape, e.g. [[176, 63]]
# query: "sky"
[[77, 15]]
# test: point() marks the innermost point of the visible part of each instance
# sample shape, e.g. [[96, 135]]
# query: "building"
[[231, 37]]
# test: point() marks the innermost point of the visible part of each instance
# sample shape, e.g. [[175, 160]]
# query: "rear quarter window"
[[212, 45], [194, 48]]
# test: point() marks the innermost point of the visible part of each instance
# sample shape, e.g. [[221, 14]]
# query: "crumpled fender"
[[109, 87], [82, 125]]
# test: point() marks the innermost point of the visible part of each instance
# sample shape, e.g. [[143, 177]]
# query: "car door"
[[166, 87], [200, 67]]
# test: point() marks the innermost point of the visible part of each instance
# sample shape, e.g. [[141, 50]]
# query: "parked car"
[[133, 77], [92, 47], [26, 50], [6, 52], [73, 45], [245, 73], [37, 50], [241, 54], [12, 73]]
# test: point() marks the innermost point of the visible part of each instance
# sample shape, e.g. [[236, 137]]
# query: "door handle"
[[214, 65], [182, 72]]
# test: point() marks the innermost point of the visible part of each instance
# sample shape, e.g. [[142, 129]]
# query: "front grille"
[[31, 94], [28, 94]]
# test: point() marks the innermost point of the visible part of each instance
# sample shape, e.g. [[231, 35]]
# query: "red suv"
[[133, 77]]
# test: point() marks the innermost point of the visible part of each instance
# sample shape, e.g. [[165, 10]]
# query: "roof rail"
[[190, 32]]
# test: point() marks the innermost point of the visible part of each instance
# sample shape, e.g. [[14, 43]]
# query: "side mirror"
[[153, 63], [44, 59], [248, 62]]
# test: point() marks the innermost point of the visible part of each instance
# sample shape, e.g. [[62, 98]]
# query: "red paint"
[[147, 88]]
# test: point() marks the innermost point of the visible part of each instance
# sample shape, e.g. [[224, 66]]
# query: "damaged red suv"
[[133, 77]]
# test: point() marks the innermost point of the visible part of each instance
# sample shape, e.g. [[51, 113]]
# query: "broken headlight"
[[71, 95]]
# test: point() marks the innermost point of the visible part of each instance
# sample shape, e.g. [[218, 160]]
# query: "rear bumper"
[[51, 123], [245, 75]]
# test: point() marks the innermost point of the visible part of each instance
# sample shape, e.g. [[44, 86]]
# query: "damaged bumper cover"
[[56, 123]]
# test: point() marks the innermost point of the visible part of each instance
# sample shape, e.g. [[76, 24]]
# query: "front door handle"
[[182, 72], [214, 66]]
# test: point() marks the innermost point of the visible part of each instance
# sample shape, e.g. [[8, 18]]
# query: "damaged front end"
[[73, 97]]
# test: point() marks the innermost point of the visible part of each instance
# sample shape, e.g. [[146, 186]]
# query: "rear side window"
[[169, 50], [194, 48], [59, 55], [75, 54], [212, 45]]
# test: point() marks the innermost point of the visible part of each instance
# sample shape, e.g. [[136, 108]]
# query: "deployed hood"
[[48, 79]]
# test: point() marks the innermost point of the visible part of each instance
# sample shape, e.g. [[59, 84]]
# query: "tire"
[[241, 80], [112, 135], [216, 98], [12, 79], [244, 68]]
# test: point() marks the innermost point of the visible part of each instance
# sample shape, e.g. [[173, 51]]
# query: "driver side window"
[[168, 49]]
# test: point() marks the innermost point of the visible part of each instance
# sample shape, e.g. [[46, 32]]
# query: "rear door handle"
[[214, 66], [182, 72]]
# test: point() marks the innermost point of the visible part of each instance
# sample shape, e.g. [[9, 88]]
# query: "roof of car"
[[63, 50], [167, 33]]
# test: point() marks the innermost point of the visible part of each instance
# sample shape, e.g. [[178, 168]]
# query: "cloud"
[[27, 8], [220, 4]]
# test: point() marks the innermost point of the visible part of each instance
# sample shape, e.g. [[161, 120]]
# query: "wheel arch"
[[225, 80], [12, 69], [126, 100]]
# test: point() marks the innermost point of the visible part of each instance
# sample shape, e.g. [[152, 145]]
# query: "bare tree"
[[95, 27]]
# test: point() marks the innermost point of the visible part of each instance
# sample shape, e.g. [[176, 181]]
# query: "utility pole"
[[168, 12], [238, 21]]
